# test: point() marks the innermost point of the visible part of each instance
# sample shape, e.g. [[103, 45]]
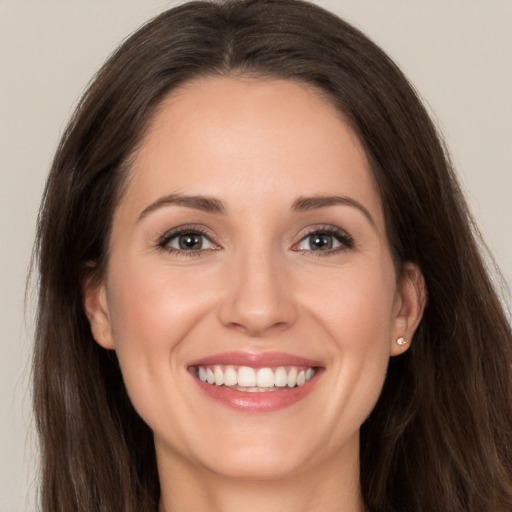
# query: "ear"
[[96, 309], [411, 301]]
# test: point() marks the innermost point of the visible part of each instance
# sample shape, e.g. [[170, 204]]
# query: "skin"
[[256, 285]]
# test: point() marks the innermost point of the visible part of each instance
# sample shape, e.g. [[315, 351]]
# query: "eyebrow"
[[212, 205], [202, 203], [315, 202]]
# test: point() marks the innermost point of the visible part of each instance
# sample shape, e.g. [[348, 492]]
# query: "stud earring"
[[401, 341]]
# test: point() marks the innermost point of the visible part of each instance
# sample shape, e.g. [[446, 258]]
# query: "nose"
[[258, 298]]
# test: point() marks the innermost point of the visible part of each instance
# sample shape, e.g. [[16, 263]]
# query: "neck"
[[331, 488]]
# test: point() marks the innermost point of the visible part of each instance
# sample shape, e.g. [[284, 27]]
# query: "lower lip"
[[254, 402]]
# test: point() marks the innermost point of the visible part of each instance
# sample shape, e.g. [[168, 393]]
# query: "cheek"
[[153, 307], [363, 325], [355, 303], [152, 311], [355, 307]]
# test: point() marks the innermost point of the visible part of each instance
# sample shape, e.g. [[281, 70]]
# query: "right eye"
[[189, 241]]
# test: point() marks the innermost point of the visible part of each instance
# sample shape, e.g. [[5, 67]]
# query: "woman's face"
[[250, 250]]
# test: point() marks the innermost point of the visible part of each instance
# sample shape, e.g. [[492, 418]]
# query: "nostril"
[[256, 328]]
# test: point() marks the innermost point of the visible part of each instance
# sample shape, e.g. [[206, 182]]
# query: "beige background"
[[458, 53]]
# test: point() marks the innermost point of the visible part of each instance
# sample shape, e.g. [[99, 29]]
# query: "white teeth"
[[219, 376], [230, 376], [265, 378], [257, 389], [246, 377], [281, 378], [255, 380], [292, 378]]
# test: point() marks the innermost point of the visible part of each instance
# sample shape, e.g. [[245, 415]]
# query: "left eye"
[[319, 241], [189, 242]]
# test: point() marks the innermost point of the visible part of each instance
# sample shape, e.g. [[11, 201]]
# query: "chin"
[[262, 466], [246, 456]]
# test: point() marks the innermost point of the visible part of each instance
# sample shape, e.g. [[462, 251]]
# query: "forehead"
[[249, 139]]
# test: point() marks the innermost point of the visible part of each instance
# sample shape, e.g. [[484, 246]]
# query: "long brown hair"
[[440, 436]]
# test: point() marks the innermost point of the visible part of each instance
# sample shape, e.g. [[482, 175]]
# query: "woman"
[[259, 283]]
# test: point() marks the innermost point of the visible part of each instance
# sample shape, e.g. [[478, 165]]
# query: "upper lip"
[[255, 360]]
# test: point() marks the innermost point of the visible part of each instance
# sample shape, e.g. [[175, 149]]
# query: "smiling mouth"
[[254, 380]]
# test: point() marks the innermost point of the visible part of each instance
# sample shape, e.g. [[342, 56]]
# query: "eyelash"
[[166, 238], [346, 241]]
